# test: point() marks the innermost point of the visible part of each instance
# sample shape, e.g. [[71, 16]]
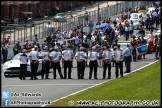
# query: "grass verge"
[[143, 86]]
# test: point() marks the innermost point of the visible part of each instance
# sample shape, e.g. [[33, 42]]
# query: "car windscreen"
[[17, 56], [142, 13], [61, 15], [135, 21], [123, 46]]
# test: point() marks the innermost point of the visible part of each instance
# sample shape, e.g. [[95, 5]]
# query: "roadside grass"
[[141, 85]]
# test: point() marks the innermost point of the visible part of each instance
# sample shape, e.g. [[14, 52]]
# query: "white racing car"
[[12, 67]]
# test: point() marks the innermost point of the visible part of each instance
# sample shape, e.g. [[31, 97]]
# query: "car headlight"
[[5, 65]]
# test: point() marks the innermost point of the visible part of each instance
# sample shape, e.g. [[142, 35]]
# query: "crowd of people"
[[101, 48]]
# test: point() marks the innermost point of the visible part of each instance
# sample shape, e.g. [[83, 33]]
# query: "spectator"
[[36, 39], [58, 35], [117, 32], [134, 45], [98, 23], [39, 48], [143, 42], [131, 28], [28, 44], [49, 39], [91, 25], [120, 37], [81, 30], [157, 20], [127, 31], [16, 49]]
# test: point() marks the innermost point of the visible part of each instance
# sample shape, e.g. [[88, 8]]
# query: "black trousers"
[[23, 68], [93, 65], [67, 64], [147, 26], [117, 67], [134, 54], [56, 66], [34, 68], [157, 51], [127, 63], [4, 55], [45, 69], [160, 51], [80, 69], [106, 65]]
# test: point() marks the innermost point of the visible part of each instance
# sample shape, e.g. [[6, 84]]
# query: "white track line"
[[45, 85], [98, 84]]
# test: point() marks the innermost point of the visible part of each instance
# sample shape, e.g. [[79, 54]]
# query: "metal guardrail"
[[22, 32]]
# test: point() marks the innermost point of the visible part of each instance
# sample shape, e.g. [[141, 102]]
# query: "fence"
[[22, 32]]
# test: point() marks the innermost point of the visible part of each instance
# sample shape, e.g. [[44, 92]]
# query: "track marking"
[[99, 84], [45, 85]]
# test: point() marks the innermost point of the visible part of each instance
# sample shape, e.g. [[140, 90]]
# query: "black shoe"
[[82, 78], [47, 78], [54, 78], [31, 78], [42, 78], [109, 78], [96, 78], [20, 78], [103, 78], [89, 77], [69, 78], [62, 78]]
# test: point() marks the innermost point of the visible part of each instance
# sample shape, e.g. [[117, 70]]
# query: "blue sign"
[[5, 102], [5, 94]]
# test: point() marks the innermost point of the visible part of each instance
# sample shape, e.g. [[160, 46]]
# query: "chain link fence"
[[42, 28]]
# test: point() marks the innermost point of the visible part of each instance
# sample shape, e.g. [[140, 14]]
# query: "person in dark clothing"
[[4, 52], [49, 39], [134, 45], [143, 42], [155, 46], [16, 49], [89, 36], [108, 30], [141, 31], [152, 28], [148, 22], [157, 20], [122, 30], [158, 49]]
